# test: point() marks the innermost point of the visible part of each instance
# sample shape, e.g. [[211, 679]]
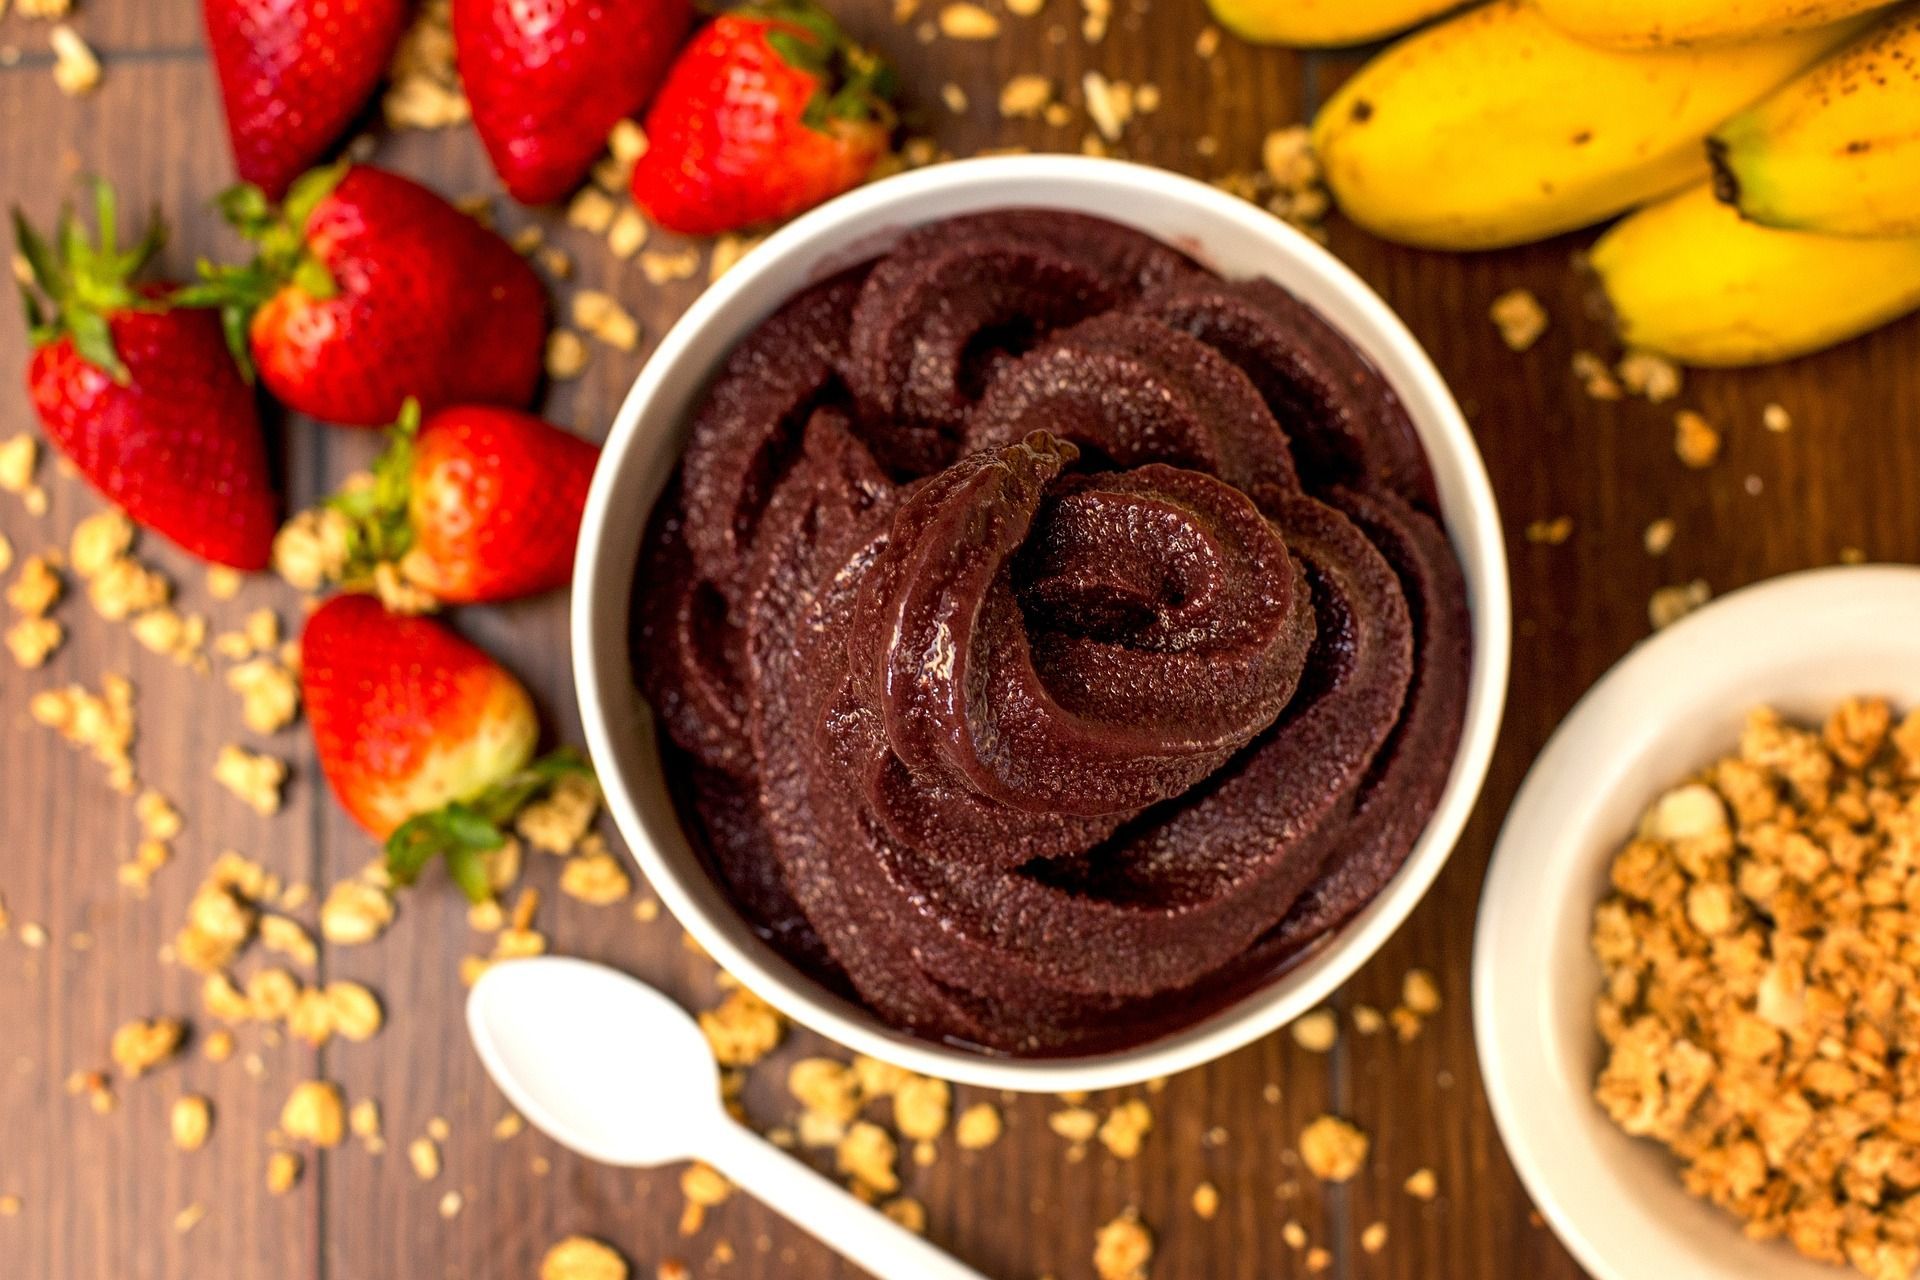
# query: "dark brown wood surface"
[[98, 1194]]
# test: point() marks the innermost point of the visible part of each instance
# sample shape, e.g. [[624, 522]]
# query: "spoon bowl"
[[587, 1054]]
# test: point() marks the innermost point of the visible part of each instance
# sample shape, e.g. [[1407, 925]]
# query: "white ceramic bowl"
[[1228, 234], [1799, 644]]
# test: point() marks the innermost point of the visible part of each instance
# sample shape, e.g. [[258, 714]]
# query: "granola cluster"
[[1760, 1010]]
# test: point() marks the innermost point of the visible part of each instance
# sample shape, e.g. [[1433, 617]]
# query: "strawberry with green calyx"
[[368, 288], [143, 397], [767, 112], [425, 740], [477, 504]]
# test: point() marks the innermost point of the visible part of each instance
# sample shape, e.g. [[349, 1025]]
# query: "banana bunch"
[[1771, 148], [1496, 127]]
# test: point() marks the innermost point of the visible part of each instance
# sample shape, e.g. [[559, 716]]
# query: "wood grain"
[[99, 1193]]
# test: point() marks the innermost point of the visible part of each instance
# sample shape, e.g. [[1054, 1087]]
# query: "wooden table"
[[99, 1193]]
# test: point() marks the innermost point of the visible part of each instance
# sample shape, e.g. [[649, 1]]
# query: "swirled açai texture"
[[1054, 638]]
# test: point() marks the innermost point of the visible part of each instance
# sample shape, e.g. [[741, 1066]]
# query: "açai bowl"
[[1040, 621]]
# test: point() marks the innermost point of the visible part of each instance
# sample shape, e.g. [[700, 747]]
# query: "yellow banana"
[[1326, 23], [1496, 127], [1837, 150], [1691, 279], [1647, 24]]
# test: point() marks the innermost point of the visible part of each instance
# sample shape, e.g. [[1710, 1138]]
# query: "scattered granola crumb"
[[704, 1188], [355, 912], [627, 234], [1025, 96], [98, 541], [664, 266], [1125, 1129], [920, 1108], [1519, 317], [601, 316], [978, 1127], [743, 1029], [217, 1046], [189, 1218], [1206, 1201], [190, 1122], [560, 820], [1643, 373], [597, 879], [1595, 378], [76, 69], [580, 1258], [283, 1172], [1670, 604], [269, 694], [1075, 1124], [32, 641], [1025, 8], [423, 1153], [1659, 536], [908, 1212], [1109, 104], [1316, 1032], [145, 1043], [1319, 1259], [1374, 1238], [315, 1112], [1422, 1184], [310, 550], [10, 1206], [1123, 1249], [592, 210], [423, 88], [1333, 1149], [966, 21], [1695, 441], [19, 459], [867, 1155], [224, 583], [566, 355], [451, 1204], [37, 587], [1207, 43], [253, 777], [1420, 992], [1776, 418], [1550, 533], [508, 1127], [1096, 16]]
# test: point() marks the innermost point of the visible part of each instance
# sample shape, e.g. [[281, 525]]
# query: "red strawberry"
[[548, 80], [426, 740], [479, 504], [145, 398], [369, 289], [766, 113], [294, 74]]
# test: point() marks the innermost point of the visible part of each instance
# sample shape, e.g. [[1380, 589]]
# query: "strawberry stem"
[[379, 519], [853, 82], [466, 830], [79, 283], [282, 259]]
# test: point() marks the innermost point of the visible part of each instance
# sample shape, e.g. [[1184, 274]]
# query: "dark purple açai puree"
[[1054, 639]]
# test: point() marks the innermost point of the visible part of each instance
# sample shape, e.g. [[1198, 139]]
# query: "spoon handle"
[[857, 1232]]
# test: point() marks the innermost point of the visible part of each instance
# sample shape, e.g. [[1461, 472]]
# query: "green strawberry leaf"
[[79, 282], [379, 518], [465, 830]]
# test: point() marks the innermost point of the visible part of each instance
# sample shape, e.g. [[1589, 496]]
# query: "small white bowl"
[[1228, 234], [1799, 644]]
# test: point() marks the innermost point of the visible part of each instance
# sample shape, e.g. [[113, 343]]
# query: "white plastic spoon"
[[605, 1065]]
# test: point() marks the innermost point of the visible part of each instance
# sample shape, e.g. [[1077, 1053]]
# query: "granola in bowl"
[[1761, 1002]]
